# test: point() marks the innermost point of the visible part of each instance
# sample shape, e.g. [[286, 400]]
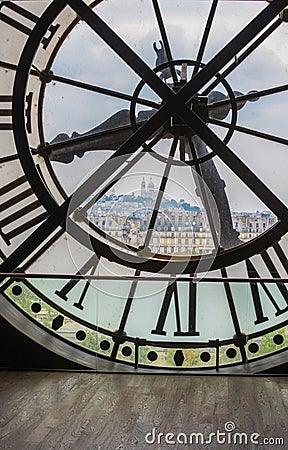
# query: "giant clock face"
[[143, 181]]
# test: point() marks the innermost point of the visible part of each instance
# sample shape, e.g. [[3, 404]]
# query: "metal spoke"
[[239, 168], [110, 185], [50, 76], [251, 132], [165, 39], [14, 67], [160, 194], [244, 55], [99, 90], [122, 49], [205, 36]]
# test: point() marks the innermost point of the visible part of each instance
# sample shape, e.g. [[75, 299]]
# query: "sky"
[[134, 21]]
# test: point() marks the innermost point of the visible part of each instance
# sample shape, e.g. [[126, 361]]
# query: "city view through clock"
[[144, 205]]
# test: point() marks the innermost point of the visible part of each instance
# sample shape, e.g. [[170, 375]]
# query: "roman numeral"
[[252, 273], [13, 14], [119, 339], [231, 303], [255, 287], [89, 266], [28, 112], [18, 211], [6, 112], [281, 256], [172, 292], [275, 274]]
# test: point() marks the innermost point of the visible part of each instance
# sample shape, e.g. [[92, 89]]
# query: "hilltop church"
[[149, 191]]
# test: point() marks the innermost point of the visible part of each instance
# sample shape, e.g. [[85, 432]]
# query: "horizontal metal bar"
[[101, 90], [250, 131], [58, 276]]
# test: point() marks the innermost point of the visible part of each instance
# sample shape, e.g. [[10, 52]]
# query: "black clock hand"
[[117, 128], [228, 236], [107, 136], [205, 36], [59, 214], [219, 106]]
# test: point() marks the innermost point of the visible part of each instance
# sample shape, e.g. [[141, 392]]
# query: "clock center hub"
[[177, 127]]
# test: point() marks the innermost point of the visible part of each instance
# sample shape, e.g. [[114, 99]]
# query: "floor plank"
[[62, 410]]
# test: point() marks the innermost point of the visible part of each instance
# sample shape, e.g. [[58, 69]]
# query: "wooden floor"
[[53, 410]]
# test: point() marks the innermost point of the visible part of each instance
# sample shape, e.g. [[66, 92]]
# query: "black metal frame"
[[172, 103], [176, 102]]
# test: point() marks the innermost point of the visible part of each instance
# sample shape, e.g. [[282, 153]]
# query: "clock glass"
[[143, 181]]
